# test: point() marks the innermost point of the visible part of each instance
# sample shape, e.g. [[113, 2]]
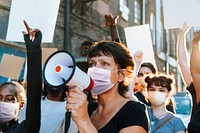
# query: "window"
[[124, 9], [137, 11]]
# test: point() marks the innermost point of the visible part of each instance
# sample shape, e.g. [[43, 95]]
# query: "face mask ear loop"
[[118, 70]]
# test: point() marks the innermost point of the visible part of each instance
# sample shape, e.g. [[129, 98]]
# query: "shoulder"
[[132, 107], [177, 121], [133, 113]]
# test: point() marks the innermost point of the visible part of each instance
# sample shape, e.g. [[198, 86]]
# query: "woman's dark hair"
[[122, 57], [20, 93], [150, 66], [161, 80]]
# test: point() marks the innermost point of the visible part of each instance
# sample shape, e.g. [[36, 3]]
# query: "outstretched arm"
[[195, 64], [112, 23], [34, 79], [138, 61], [182, 58]]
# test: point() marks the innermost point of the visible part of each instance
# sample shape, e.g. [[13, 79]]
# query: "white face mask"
[[101, 79], [8, 111], [157, 98]]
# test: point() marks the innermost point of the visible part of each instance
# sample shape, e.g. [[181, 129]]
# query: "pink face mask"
[[7, 111], [101, 79]]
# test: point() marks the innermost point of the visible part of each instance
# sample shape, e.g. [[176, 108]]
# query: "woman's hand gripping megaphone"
[[77, 104]]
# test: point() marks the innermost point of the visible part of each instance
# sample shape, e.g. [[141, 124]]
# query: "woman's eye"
[[10, 99], [105, 63], [151, 89], [162, 90]]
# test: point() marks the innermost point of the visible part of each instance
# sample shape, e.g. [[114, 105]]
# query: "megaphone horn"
[[60, 69]]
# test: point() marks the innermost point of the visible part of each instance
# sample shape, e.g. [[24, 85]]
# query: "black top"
[[192, 91], [132, 113], [34, 88], [194, 124]]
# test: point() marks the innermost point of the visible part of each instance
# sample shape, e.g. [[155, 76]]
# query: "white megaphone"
[[60, 69]]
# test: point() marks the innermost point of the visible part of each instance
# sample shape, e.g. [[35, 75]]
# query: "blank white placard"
[[139, 38], [40, 14]]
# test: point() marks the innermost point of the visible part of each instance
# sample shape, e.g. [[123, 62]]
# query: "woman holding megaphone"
[[111, 68]]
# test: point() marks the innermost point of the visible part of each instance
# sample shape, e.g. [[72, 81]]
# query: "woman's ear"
[[122, 74], [21, 105]]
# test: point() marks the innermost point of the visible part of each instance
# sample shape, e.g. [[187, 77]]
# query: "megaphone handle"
[[67, 120]]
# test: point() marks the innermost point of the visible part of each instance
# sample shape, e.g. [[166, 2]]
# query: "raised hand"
[[110, 20], [196, 39], [138, 56], [30, 31], [185, 28], [32, 38]]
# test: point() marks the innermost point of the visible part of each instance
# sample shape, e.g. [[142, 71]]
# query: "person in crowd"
[[12, 93], [111, 67], [145, 68], [141, 69], [183, 63], [138, 57], [111, 22], [134, 83], [53, 111], [21, 114], [158, 88], [193, 126]]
